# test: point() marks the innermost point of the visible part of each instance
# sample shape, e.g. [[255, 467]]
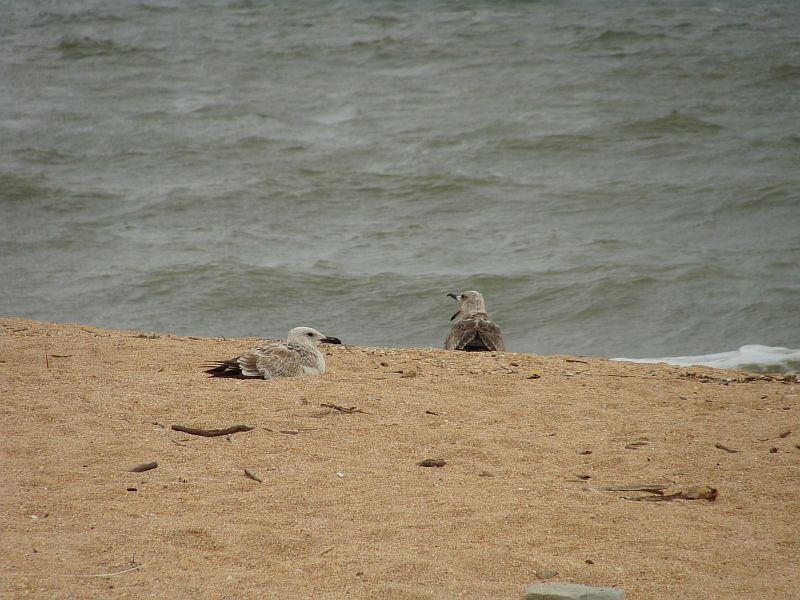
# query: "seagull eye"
[[309, 334]]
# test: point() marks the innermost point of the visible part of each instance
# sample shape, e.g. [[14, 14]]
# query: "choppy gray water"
[[617, 178]]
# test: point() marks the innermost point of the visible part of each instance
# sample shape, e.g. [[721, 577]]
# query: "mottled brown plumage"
[[295, 357], [475, 330]]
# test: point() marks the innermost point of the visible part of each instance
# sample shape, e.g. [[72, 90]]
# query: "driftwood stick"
[[144, 467], [133, 568], [723, 447], [211, 432], [342, 409], [253, 476], [655, 488], [696, 492]]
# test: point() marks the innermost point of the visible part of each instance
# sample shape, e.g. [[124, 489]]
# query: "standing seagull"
[[295, 357], [475, 331]]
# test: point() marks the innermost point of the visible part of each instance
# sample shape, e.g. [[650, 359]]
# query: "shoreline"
[[756, 358], [343, 508]]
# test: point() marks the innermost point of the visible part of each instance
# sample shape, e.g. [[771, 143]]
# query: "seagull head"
[[308, 336], [469, 302]]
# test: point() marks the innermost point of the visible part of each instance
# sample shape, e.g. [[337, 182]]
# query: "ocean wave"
[[554, 143], [86, 47], [47, 18], [784, 73], [750, 357], [27, 187], [46, 156], [612, 37], [674, 122]]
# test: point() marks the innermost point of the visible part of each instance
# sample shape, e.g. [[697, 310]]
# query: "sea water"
[[617, 178]]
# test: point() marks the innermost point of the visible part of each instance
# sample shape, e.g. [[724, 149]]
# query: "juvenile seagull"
[[295, 357], [475, 331]]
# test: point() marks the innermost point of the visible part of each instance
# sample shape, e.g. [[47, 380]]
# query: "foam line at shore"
[[752, 357]]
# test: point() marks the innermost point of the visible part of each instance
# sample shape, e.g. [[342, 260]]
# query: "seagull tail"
[[224, 368]]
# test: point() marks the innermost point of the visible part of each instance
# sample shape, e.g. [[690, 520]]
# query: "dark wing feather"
[[225, 368]]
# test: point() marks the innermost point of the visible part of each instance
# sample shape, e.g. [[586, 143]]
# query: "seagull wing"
[[270, 360], [475, 332], [490, 334], [461, 334]]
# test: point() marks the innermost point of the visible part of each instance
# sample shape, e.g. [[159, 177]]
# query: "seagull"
[[295, 357], [475, 331]]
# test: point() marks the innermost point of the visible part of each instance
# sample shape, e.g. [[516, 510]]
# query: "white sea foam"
[[752, 357]]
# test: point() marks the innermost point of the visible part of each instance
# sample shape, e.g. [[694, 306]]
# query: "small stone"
[[571, 591], [546, 574], [485, 473], [431, 462]]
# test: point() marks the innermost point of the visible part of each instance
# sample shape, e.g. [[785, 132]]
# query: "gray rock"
[[571, 591]]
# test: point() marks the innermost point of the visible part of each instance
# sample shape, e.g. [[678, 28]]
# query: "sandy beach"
[[343, 507]]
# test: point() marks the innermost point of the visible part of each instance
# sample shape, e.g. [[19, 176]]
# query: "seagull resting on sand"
[[295, 357], [475, 331]]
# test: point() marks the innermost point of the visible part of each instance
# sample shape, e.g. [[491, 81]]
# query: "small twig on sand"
[[211, 432], [143, 467], [343, 409], [654, 488], [695, 492], [721, 447], [46, 362], [133, 568], [252, 476]]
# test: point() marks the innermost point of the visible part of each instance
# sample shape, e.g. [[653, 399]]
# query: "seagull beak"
[[330, 340], [454, 297]]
